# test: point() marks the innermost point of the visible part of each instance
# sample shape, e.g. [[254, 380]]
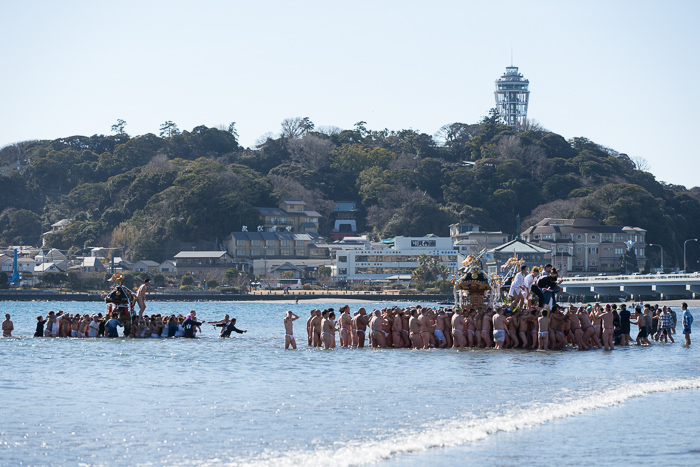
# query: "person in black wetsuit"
[[625, 325], [101, 327], [190, 324], [228, 328], [40, 321]]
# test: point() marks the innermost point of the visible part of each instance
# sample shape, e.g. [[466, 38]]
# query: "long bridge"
[[656, 286]]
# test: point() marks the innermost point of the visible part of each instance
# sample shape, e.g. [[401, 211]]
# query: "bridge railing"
[[655, 278]]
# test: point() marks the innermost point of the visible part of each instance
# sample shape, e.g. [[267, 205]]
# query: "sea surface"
[[246, 401]]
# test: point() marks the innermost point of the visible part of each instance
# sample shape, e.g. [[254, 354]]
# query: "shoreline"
[[23, 296]]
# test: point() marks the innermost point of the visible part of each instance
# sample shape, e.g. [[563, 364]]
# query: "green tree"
[[118, 127], [169, 129], [187, 279]]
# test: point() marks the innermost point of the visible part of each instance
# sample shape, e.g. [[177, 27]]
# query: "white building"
[[378, 261]]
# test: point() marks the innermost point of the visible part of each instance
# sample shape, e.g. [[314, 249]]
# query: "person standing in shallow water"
[[7, 326], [289, 330], [687, 322]]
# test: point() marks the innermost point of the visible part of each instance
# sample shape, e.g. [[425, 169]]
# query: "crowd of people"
[[417, 327], [541, 328], [60, 324]]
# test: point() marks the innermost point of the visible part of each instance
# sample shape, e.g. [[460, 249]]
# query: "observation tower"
[[512, 95]]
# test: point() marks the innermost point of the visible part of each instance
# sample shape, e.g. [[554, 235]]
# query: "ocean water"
[[246, 401]]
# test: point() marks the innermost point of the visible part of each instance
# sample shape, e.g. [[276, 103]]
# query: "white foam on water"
[[458, 432]]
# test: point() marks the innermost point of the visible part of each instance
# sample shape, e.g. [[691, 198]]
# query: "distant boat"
[[623, 299], [445, 303]]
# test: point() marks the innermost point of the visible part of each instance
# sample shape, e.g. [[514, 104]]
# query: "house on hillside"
[[203, 263], [584, 245], [42, 268], [290, 215], [168, 267], [145, 265], [91, 264]]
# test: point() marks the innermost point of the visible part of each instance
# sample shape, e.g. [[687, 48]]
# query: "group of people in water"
[[60, 324], [541, 328], [416, 327]]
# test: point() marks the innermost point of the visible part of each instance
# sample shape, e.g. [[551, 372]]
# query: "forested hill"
[[151, 193]]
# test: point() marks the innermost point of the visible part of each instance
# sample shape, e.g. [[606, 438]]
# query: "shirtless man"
[[345, 325], [317, 327], [424, 327], [360, 321], [486, 323], [499, 328], [414, 328], [397, 329], [289, 331], [376, 330], [642, 338], [66, 325], [575, 326], [7, 326], [309, 329], [556, 328], [447, 323], [83, 328], [511, 328], [141, 296], [387, 324], [328, 333], [405, 318], [439, 331], [458, 335], [522, 328], [470, 327], [75, 326], [608, 329], [588, 329], [543, 330]]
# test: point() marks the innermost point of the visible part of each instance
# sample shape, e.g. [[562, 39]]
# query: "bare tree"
[[531, 125], [296, 127], [532, 157], [329, 130], [559, 209], [640, 163], [311, 151]]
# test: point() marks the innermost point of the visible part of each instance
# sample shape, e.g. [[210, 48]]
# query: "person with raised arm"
[[289, 330]]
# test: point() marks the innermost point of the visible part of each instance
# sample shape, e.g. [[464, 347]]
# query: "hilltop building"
[[345, 223], [469, 239], [512, 96], [585, 245], [291, 215]]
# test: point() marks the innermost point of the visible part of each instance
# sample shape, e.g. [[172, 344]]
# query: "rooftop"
[[200, 254]]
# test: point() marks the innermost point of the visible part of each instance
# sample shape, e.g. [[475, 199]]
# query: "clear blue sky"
[[621, 73]]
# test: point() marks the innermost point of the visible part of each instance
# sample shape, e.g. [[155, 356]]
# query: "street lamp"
[[685, 265], [662, 254]]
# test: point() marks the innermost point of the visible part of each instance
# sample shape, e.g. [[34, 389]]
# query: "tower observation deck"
[[512, 96]]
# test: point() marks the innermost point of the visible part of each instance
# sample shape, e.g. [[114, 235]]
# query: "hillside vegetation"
[[154, 194]]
